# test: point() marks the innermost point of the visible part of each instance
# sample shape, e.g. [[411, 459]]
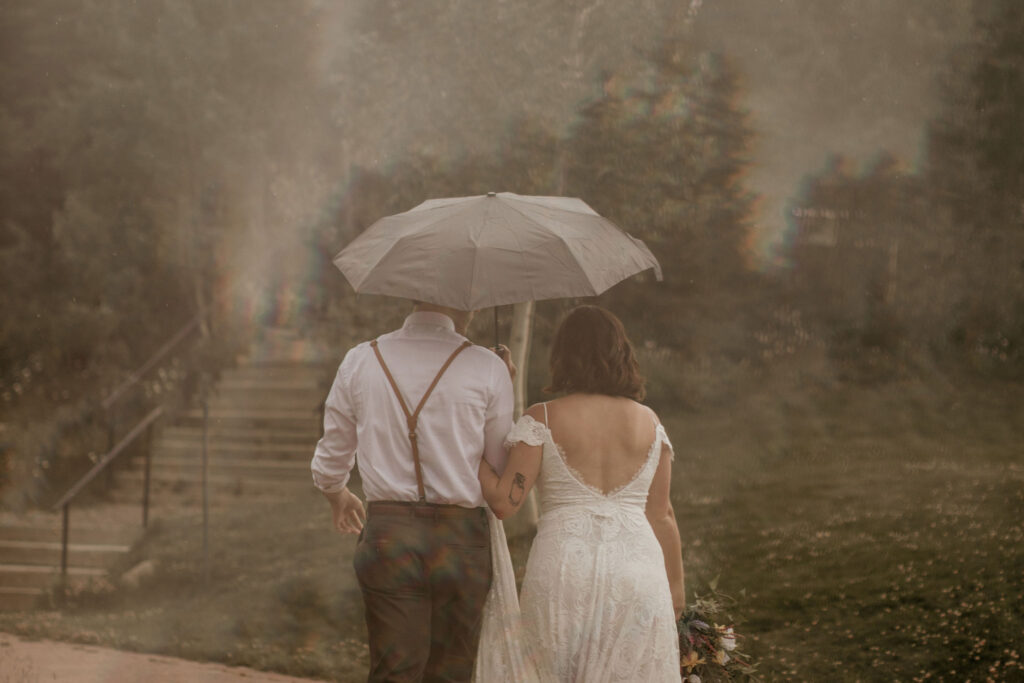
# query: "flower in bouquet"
[[709, 651], [691, 659], [727, 639]]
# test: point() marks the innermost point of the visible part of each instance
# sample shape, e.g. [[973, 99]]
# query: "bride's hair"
[[591, 354]]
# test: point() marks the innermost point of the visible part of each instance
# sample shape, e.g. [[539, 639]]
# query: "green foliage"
[[864, 533], [128, 135], [663, 157], [975, 178], [974, 160]]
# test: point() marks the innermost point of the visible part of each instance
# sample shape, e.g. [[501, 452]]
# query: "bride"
[[604, 580]]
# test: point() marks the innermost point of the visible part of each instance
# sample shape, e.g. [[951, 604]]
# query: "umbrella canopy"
[[501, 248]]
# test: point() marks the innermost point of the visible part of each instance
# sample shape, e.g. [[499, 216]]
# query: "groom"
[[421, 406]]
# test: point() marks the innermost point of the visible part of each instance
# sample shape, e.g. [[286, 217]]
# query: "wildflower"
[[691, 659], [710, 649], [727, 639]]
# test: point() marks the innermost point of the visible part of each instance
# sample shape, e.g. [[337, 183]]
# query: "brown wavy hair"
[[592, 354]]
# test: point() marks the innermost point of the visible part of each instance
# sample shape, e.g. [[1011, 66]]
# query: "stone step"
[[174, 496], [264, 422], [221, 482], [290, 372], [216, 449], [298, 384], [311, 404], [76, 535], [167, 467], [19, 599], [275, 398], [43, 576], [241, 434], [49, 553], [292, 420], [285, 417]]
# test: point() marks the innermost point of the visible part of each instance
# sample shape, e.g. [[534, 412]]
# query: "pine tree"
[[663, 157], [975, 160], [976, 176]]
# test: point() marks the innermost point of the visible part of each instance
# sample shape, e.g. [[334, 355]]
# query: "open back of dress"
[[595, 603]]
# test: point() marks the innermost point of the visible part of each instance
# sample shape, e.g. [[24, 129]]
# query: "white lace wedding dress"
[[595, 604]]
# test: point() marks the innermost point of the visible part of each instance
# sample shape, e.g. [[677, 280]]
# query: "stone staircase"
[[30, 554], [262, 425], [263, 422]]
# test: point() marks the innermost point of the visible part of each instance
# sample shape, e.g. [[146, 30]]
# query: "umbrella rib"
[[639, 244], [550, 250], [568, 246], [395, 242]]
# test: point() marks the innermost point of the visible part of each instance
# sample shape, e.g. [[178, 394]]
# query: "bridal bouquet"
[[708, 651]]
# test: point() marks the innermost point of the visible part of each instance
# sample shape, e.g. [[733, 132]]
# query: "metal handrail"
[[134, 378], [145, 425], [64, 503], [109, 457]]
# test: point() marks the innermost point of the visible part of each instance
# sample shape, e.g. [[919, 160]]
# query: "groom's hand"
[[347, 511], [506, 355]]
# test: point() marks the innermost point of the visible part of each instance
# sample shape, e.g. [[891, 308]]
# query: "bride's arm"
[[506, 493], [663, 521]]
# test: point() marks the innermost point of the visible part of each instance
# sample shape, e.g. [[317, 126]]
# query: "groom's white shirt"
[[466, 417]]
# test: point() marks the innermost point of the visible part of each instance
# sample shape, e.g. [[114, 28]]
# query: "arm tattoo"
[[515, 495]]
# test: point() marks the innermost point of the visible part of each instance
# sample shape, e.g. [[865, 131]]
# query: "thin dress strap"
[[545, 404]]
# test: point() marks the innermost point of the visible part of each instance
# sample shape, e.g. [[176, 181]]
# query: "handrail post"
[[111, 437], [64, 551], [111, 426], [146, 476], [205, 483], [102, 463]]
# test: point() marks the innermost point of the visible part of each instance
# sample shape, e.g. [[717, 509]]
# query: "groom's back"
[[451, 427]]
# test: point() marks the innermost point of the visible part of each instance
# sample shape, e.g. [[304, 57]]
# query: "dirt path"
[[36, 661]]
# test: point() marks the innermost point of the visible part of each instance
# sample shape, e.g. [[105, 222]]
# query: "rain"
[[833, 194]]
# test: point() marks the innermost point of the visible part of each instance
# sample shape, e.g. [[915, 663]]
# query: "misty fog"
[[833, 190]]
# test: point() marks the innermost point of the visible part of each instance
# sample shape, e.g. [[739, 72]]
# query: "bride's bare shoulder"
[[537, 411], [646, 412]]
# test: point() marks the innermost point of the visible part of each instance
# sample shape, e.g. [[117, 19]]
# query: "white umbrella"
[[500, 248]]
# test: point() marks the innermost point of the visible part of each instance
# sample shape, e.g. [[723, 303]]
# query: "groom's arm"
[[335, 455], [347, 511]]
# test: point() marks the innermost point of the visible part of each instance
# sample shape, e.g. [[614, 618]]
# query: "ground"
[[27, 661]]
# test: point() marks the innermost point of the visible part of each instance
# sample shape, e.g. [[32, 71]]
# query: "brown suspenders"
[[411, 418]]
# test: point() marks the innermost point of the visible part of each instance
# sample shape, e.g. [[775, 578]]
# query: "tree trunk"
[[525, 521], [519, 344], [202, 305]]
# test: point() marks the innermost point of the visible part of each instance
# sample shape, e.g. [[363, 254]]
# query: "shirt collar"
[[429, 319]]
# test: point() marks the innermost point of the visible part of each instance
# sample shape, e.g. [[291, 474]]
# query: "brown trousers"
[[424, 571]]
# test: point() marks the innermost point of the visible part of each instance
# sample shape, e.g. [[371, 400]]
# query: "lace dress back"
[[595, 603]]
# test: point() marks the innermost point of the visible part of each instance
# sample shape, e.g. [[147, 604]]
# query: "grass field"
[[866, 534], [864, 539]]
